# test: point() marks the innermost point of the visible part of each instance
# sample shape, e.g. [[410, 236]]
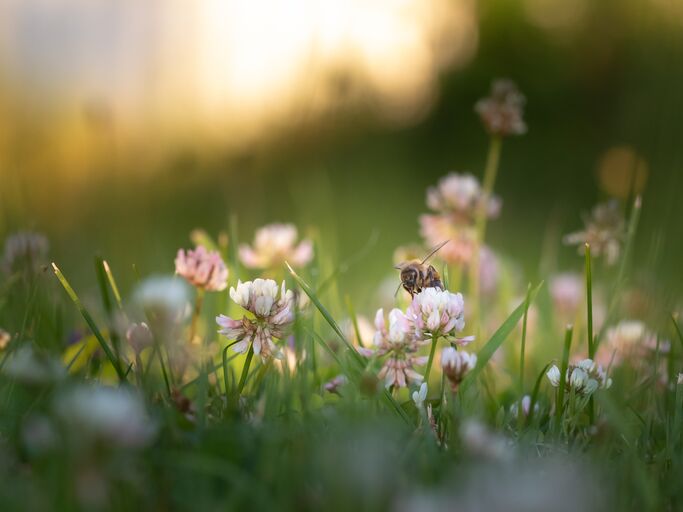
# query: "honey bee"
[[415, 275]]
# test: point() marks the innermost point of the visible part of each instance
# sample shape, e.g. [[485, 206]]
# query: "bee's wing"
[[434, 251]]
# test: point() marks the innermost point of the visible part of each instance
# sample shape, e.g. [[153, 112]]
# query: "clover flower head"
[[604, 231], [420, 396], [273, 311], [456, 364], [585, 377], [273, 245], [526, 407], [461, 195], [397, 340], [437, 312], [202, 269], [502, 113]]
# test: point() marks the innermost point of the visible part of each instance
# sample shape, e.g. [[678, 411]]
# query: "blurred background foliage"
[[123, 126]]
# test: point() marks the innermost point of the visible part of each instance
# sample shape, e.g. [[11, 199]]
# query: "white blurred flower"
[[333, 386], [113, 415], [479, 440], [460, 195], [273, 245], [680, 379], [163, 295], [420, 396], [437, 313], [553, 375], [139, 337], [456, 364], [29, 366], [26, 249], [273, 315], [203, 269]]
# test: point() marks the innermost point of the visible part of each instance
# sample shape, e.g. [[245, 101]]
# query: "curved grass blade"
[[534, 394], [91, 323], [499, 337]]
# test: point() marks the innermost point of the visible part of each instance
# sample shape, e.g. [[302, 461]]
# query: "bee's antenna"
[[398, 289], [434, 251]]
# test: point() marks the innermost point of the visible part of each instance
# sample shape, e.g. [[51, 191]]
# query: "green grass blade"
[[91, 323], [499, 337], [534, 394], [112, 284], [559, 407]]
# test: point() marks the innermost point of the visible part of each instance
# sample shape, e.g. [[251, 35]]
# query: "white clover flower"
[[420, 396], [679, 379], [113, 415], [398, 341], [273, 245], [553, 375], [456, 364], [203, 269], [273, 313], [437, 312], [585, 377], [163, 295], [460, 195]]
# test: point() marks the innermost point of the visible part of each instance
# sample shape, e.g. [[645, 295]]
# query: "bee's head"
[[409, 275]]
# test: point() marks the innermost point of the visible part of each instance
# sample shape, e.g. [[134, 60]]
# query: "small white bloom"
[[437, 312], [29, 366], [553, 375], [162, 294], [420, 396]]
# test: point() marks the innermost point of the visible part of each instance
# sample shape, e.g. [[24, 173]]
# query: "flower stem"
[[490, 173], [196, 314], [432, 351], [245, 370]]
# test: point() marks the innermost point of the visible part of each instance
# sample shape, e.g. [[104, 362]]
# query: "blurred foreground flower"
[[273, 316], [585, 378], [420, 396], [526, 407], [162, 295], [604, 231], [29, 366], [273, 245], [114, 416], [139, 337], [456, 364], [398, 341], [25, 250], [502, 113], [203, 269]]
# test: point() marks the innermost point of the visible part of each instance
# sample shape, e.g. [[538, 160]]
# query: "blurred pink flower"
[[273, 245], [456, 364], [273, 315], [489, 271], [567, 291], [139, 337], [462, 239], [461, 196], [631, 341], [203, 269], [502, 113], [604, 231]]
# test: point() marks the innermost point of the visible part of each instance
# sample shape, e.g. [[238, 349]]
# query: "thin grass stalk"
[[522, 359], [589, 321], [245, 370], [91, 323], [559, 406]]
